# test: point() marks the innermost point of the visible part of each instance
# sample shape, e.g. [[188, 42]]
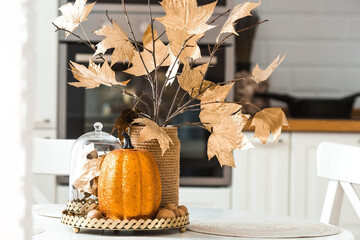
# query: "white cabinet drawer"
[[45, 133]]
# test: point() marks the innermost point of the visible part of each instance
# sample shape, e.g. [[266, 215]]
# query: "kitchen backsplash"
[[323, 42]]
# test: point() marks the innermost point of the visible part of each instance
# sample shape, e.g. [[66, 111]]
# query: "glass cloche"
[[86, 157]]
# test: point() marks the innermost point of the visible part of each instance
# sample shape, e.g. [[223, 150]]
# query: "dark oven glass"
[[200, 2], [84, 107]]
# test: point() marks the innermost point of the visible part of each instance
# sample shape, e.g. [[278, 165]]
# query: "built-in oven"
[[80, 108]]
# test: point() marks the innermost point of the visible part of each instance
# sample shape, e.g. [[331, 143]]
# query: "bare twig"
[[182, 98], [222, 14], [155, 80], [108, 17], [133, 95], [198, 124], [136, 46], [173, 102], [172, 68], [160, 36], [89, 44]]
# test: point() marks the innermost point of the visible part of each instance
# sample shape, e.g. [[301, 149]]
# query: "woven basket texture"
[[169, 163]]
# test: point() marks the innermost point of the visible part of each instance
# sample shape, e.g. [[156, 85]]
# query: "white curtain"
[[17, 77]]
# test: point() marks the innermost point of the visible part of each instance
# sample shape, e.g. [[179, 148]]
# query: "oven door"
[[141, 5], [80, 109]]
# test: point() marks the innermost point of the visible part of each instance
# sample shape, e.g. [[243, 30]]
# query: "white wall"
[[323, 39], [16, 97]]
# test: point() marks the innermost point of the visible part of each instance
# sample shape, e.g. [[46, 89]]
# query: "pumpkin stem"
[[127, 141]]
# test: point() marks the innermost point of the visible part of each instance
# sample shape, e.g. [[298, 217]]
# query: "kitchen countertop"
[[321, 125]]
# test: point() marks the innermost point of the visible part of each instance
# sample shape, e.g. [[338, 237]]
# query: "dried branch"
[[198, 124], [173, 102], [133, 95], [89, 44], [162, 34], [155, 80], [216, 47], [136, 46], [172, 68], [222, 14]]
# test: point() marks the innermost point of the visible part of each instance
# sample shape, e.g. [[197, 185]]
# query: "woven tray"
[[78, 222]]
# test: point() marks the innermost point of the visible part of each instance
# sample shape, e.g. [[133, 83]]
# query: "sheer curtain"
[[16, 106]]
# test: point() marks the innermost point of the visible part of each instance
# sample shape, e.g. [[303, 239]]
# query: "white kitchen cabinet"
[[46, 65], [206, 197], [307, 191], [44, 133], [260, 181]]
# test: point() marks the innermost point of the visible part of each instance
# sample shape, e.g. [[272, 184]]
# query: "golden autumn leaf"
[[212, 107], [216, 93], [226, 137], [115, 38], [184, 19], [177, 39], [73, 15], [163, 55], [186, 15], [239, 11], [87, 171], [259, 75], [210, 113], [93, 76], [153, 131], [190, 79], [269, 120]]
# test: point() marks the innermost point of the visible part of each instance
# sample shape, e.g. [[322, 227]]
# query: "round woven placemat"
[[260, 228]]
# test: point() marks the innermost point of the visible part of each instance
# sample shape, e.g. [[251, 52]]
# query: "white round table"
[[53, 229]]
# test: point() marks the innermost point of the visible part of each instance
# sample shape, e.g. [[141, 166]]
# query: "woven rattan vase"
[[169, 163]]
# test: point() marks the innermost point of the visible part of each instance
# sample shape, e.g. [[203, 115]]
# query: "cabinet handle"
[[280, 141], [46, 120]]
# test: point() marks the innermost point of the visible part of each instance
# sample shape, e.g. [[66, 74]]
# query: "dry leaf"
[[239, 11], [182, 20], [259, 75], [163, 55], [115, 38], [269, 120], [186, 15], [210, 113], [153, 131], [217, 93], [73, 15], [211, 109], [125, 119], [88, 170], [226, 137], [177, 39], [93, 76], [190, 79]]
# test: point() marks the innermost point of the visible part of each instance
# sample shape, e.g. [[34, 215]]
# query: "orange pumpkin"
[[129, 184]]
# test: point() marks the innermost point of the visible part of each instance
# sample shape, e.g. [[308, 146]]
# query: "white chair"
[[341, 164], [51, 157]]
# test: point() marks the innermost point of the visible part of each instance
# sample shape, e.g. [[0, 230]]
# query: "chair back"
[[338, 162], [341, 164]]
